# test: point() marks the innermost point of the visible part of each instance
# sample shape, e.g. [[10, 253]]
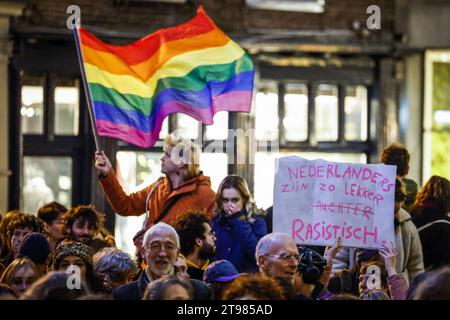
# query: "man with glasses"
[[160, 251], [161, 247], [277, 256]]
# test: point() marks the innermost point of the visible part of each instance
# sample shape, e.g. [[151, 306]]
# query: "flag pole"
[[87, 90]]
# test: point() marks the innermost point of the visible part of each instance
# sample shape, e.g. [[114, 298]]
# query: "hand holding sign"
[[389, 255], [318, 201], [331, 252]]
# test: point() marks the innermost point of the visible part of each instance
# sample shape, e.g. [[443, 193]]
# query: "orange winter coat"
[[197, 195]]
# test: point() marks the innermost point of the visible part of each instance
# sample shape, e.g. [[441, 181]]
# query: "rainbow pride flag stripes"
[[193, 68]]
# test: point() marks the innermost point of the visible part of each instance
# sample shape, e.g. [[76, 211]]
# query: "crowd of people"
[[198, 244]]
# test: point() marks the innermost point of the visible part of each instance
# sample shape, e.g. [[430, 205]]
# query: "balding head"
[[159, 229], [277, 255]]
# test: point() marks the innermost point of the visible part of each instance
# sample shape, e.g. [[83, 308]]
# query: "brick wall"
[[231, 15]]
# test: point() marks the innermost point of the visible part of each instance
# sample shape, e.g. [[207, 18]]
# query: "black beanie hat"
[[35, 246]]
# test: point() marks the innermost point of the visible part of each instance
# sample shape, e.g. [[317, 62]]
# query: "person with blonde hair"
[[238, 225], [183, 188], [20, 275]]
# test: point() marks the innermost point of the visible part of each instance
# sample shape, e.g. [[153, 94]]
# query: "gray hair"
[[265, 243], [164, 227], [114, 262]]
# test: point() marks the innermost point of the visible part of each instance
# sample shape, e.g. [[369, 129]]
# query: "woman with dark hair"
[[430, 212], [78, 256], [238, 225]]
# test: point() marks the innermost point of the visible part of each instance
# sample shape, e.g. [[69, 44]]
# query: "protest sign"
[[317, 201]]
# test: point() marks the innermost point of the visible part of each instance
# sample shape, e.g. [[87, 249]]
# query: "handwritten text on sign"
[[319, 201]]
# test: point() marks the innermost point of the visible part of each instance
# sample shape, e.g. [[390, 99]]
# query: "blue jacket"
[[236, 239]]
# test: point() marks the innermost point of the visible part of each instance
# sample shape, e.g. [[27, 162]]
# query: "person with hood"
[[183, 188], [238, 225]]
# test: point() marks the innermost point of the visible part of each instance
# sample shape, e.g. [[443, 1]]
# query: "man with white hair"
[[277, 256], [161, 247], [183, 188]]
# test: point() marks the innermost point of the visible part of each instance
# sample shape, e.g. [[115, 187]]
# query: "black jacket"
[[132, 291], [135, 290], [434, 232]]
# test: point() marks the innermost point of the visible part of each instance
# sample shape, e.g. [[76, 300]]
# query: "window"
[[67, 109], [46, 179], [187, 127], [32, 108], [215, 166], [266, 114], [219, 129], [355, 113], [164, 129], [54, 127], [436, 123], [333, 113], [311, 6], [135, 171], [326, 115], [295, 120]]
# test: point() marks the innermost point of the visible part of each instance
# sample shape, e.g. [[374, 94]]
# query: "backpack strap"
[[431, 223], [168, 206]]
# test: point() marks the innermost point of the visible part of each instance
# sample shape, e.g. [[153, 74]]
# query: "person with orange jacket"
[[183, 188]]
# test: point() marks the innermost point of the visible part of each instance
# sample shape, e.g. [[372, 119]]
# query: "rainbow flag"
[[193, 68]]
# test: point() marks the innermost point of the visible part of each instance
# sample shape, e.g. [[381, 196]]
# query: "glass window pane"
[[67, 109], [326, 117], [135, 171], [264, 178], [32, 109], [164, 129], [355, 113], [266, 114], [295, 120], [215, 166], [187, 127], [46, 179], [219, 129]]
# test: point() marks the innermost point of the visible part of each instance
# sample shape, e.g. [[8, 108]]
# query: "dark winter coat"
[[237, 238]]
